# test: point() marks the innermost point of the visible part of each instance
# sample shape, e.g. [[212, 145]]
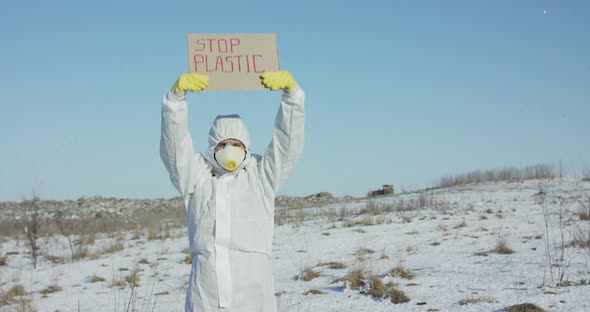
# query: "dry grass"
[[442, 228], [51, 289], [95, 278], [12, 295], [364, 251], [475, 300], [507, 174], [401, 272], [375, 287], [333, 265], [188, 259], [584, 213], [502, 247], [313, 292], [173, 217], [525, 307], [397, 296], [355, 279], [114, 247], [307, 274], [133, 278], [118, 283], [461, 224]]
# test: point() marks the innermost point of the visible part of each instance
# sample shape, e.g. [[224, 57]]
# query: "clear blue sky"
[[399, 92]]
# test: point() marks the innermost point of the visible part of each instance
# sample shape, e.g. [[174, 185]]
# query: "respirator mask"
[[230, 157]]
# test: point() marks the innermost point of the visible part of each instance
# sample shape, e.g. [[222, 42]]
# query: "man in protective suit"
[[229, 196]]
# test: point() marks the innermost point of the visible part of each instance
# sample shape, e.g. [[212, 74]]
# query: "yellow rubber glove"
[[280, 80], [190, 82]]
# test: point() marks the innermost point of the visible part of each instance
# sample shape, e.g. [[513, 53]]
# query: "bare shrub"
[[558, 236], [31, 224], [167, 218], [3, 260], [509, 174], [67, 231]]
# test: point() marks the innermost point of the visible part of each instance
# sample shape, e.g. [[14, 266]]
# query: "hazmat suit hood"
[[227, 127]]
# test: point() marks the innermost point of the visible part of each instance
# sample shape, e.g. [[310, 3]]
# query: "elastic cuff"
[[176, 96], [293, 91]]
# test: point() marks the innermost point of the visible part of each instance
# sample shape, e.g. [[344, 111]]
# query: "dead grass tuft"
[[133, 278], [525, 307], [502, 247], [333, 265], [475, 300], [355, 279], [307, 274], [51, 289], [401, 272], [397, 296], [114, 247], [584, 214], [461, 224], [11, 296], [364, 251], [95, 278], [313, 292], [376, 288]]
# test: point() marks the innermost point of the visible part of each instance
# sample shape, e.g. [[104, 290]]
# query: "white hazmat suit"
[[230, 215]]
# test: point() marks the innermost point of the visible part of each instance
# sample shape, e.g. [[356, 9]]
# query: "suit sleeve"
[[287, 140], [176, 147]]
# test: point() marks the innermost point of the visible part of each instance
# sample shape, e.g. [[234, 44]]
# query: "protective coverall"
[[230, 215]]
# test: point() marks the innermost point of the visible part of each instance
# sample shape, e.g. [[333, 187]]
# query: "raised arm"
[[287, 138], [176, 147]]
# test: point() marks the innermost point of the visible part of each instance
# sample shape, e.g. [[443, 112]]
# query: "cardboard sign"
[[233, 61]]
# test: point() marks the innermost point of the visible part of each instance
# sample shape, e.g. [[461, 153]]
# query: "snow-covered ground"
[[448, 246]]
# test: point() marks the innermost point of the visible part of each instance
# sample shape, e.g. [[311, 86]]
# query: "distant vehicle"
[[386, 189]]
